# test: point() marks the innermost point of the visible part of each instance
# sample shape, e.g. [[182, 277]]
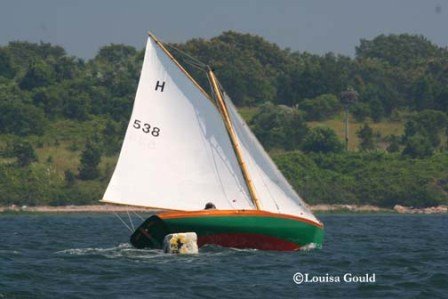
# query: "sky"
[[316, 26]]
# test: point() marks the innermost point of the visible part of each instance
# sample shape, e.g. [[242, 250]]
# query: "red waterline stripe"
[[246, 240]]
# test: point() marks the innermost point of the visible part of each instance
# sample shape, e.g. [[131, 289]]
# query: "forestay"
[[273, 190], [176, 153]]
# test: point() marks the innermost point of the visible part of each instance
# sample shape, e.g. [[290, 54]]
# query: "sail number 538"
[[146, 128]]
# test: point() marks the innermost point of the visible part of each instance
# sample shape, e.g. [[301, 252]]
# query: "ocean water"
[[88, 256]]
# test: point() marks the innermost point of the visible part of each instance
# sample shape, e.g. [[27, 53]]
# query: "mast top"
[[168, 53]]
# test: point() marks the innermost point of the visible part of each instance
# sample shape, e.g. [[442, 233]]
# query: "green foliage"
[[252, 70], [430, 125], [50, 100], [394, 144], [39, 74], [360, 111], [431, 120], [69, 177], [322, 107], [322, 140], [367, 178], [31, 185], [66, 68], [21, 119], [115, 70], [82, 193], [77, 107], [366, 136], [44, 91], [112, 136], [441, 99], [24, 53], [24, 152], [279, 126], [418, 146], [376, 110], [398, 50], [251, 77], [308, 76], [6, 67], [314, 184], [423, 92], [115, 53], [90, 159]]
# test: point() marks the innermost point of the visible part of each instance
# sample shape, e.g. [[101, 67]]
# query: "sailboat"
[[186, 149]]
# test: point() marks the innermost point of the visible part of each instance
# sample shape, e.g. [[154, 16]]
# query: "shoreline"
[[397, 209], [320, 208]]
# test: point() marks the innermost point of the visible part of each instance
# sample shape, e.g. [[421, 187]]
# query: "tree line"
[[401, 77], [390, 73]]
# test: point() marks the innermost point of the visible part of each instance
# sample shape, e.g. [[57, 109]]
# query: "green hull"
[[245, 229]]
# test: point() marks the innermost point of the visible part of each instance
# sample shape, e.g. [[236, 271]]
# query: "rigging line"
[[193, 64], [269, 191], [135, 213], [241, 189], [181, 68], [127, 226], [244, 126], [213, 94], [233, 139], [186, 54], [257, 170], [130, 220]]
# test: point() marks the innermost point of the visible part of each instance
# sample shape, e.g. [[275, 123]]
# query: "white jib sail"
[[176, 153], [273, 190]]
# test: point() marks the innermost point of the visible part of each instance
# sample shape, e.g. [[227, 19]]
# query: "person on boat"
[[210, 206]]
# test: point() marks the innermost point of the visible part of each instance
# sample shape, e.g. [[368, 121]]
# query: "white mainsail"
[[176, 153], [273, 190]]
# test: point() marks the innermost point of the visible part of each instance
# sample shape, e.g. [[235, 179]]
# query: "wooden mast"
[[236, 147]]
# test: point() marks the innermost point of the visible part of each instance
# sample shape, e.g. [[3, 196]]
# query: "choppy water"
[[87, 255]]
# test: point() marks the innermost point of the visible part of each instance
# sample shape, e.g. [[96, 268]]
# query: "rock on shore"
[[347, 208], [431, 210]]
